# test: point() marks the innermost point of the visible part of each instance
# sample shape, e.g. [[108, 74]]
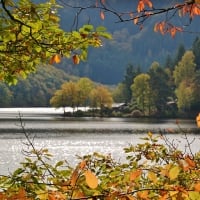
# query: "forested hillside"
[[130, 44], [36, 90]]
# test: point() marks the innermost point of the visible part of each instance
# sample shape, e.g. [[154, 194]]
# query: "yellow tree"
[[85, 86], [101, 97], [68, 95], [142, 92]]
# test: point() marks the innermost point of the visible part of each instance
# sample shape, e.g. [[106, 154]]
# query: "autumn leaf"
[[190, 162], [135, 174], [76, 59], [143, 194], [152, 176], [102, 15], [55, 59], [74, 178], [197, 187], [82, 164], [140, 6], [91, 179], [174, 172], [198, 120], [142, 3]]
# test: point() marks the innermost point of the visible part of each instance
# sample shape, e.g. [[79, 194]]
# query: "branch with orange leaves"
[[143, 11]]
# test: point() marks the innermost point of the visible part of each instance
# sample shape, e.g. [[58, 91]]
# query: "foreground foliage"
[[151, 170], [30, 34]]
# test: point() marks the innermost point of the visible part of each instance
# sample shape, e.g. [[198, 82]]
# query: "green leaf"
[[101, 29]]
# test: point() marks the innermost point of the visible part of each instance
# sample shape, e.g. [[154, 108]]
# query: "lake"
[[67, 137]]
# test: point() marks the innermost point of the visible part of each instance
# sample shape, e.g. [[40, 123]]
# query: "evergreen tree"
[[130, 74], [196, 51]]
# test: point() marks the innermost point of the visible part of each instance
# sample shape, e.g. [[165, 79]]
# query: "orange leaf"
[[91, 179], [102, 15], [74, 178], [140, 6], [143, 194], [198, 120], [190, 162], [135, 20], [55, 59], [76, 59], [135, 174], [173, 31], [82, 164], [197, 187], [148, 3]]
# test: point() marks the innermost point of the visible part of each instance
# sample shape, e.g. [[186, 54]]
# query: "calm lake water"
[[67, 137]]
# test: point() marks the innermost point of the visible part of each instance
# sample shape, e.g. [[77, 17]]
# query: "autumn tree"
[[142, 92], [67, 96], [85, 86], [101, 97], [184, 74]]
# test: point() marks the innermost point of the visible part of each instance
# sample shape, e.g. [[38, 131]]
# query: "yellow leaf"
[[174, 172], [91, 179], [194, 195], [152, 176]]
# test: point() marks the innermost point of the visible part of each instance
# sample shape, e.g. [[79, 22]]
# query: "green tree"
[[184, 75], [130, 74], [6, 96], [142, 92], [159, 84], [179, 54], [196, 51], [185, 95], [118, 93], [185, 68]]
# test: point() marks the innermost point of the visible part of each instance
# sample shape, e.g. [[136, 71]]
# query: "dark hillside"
[[129, 45]]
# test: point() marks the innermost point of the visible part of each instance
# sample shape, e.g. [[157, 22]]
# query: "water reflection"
[[68, 137]]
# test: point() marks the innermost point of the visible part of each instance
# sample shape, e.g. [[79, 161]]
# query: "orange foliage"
[[75, 59], [164, 27], [198, 120], [142, 4], [135, 174], [191, 10], [55, 59], [102, 15]]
